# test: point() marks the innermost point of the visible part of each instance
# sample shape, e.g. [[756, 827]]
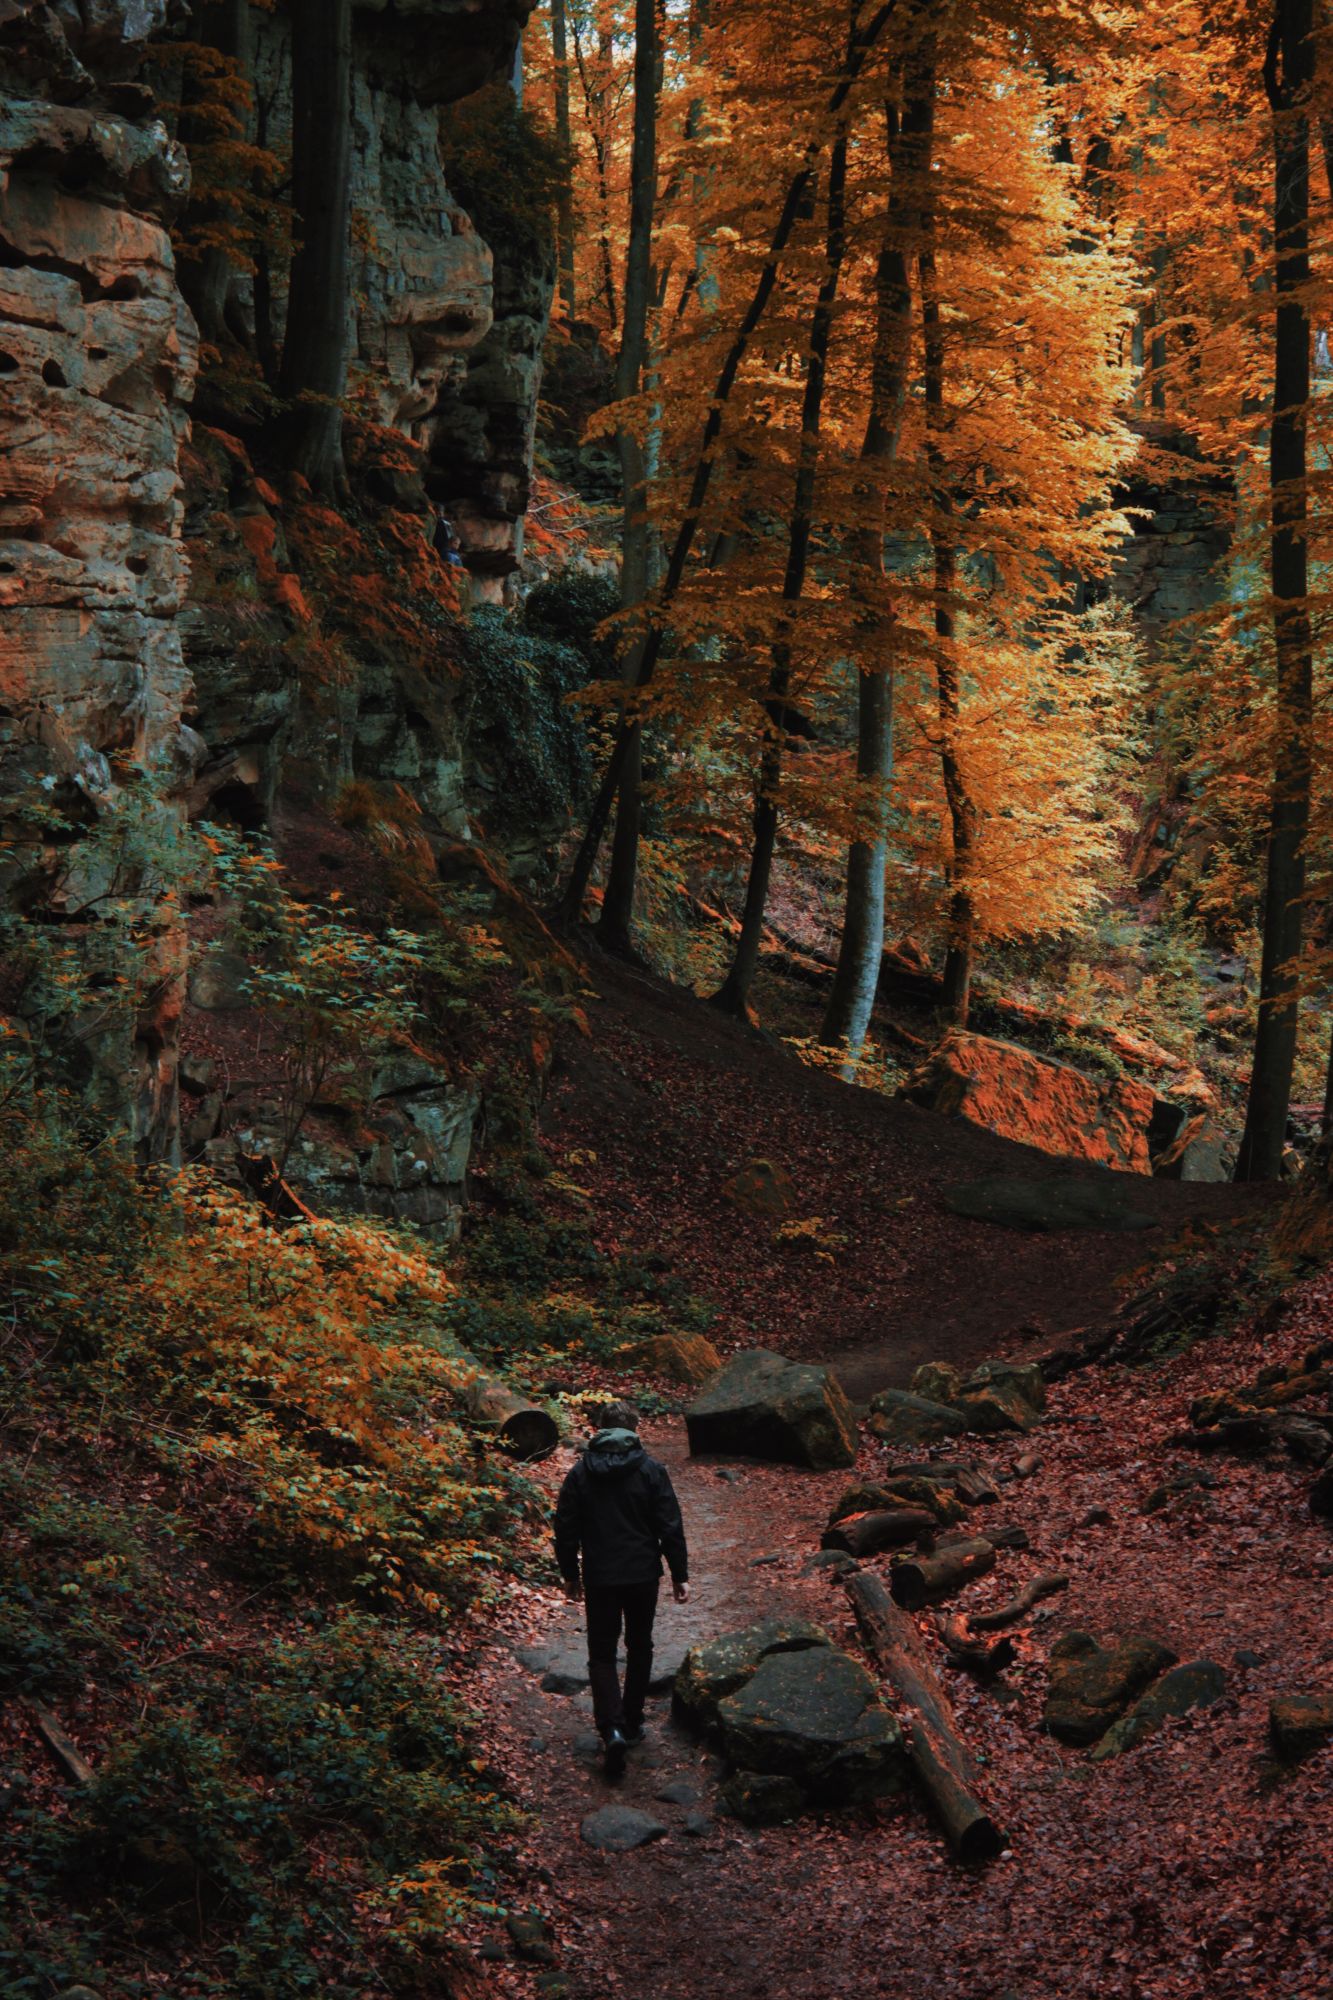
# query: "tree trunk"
[[733, 997], [205, 280], [520, 1426], [594, 110], [314, 354], [851, 1002], [564, 136], [865, 1534], [932, 1578], [1288, 74], [941, 1763], [613, 927], [863, 41], [957, 983]]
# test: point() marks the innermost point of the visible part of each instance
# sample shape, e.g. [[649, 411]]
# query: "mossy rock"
[[938, 1382], [761, 1798], [715, 1669], [1198, 1684], [1024, 1377], [902, 1418], [761, 1405], [1092, 1685], [990, 1407], [682, 1357], [814, 1717], [1298, 1725]]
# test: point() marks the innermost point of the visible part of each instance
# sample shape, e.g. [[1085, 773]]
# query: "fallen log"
[[865, 1534], [71, 1762], [928, 1579], [938, 1757], [1307, 1435], [981, 1656], [520, 1426], [1018, 1607]]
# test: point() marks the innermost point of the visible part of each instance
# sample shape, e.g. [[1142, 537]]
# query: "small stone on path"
[[680, 1792], [617, 1829], [696, 1824]]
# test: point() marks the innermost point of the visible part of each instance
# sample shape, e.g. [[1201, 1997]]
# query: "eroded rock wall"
[[97, 361], [445, 336]]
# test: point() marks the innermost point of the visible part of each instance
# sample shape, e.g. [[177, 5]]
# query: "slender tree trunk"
[[594, 111], [206, 279], [613, 928], [957, 982], [1288, 74], [1326, 1122], [266, 345], [314, 353], [734, 994], [571, 902], [564, 135], [851, 1002]]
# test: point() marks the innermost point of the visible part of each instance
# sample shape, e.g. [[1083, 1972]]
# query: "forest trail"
[[1174, 1872], [651, 1112], [664, 1099]]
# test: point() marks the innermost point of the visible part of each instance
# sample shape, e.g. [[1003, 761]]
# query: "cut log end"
[[930, 1579]]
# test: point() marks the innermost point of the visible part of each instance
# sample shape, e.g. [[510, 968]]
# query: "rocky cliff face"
[[129, 696], [445, 335], [97, 358]]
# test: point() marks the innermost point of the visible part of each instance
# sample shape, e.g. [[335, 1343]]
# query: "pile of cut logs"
[[918, 1506]]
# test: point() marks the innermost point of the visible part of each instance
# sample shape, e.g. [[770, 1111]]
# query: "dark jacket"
[[618, 1510]]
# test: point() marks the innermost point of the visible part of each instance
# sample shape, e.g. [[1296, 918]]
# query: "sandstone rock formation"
[[445, 335], [1119, 1122], [97, 359]]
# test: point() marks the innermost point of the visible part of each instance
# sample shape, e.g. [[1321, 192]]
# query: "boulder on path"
[[1093, 1685], [814, 1717], [681, 1357], [617, 1829], [715, 1669], [1298, 1725], [1198, 1684], [1013, 1201], [763, 1406], [901, 1418], [1037, 1101]]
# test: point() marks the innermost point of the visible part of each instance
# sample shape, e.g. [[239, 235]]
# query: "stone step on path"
[[562, 1668], [618, 1829]]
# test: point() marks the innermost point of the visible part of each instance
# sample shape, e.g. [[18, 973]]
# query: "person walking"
[[615, 1519]]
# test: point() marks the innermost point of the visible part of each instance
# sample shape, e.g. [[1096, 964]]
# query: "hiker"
[[617, 1508]]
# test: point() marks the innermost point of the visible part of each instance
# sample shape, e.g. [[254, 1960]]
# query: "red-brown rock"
[[1036, 1100]]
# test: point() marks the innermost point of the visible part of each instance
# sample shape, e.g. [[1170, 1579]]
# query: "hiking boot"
[[634, 1732], [616, 1746]]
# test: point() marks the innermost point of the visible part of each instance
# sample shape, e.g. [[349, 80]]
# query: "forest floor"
[[1185, 1868]]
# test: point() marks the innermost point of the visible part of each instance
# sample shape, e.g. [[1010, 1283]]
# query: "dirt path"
[[653, 1110], [1173, 1873]]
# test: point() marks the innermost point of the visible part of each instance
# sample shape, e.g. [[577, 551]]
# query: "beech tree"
[[613, 928], [1288, 77], [860, 951]]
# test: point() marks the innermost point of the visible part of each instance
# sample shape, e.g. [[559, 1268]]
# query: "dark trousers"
[[607, 1605]]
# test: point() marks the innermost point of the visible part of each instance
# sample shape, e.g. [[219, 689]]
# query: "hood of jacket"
[[611, 1454]]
